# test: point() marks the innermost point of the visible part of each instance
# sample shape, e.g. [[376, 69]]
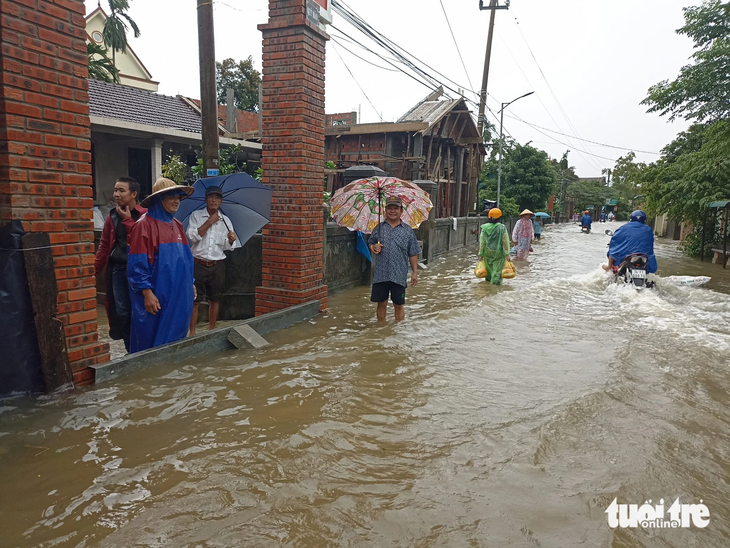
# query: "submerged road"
[[493, 416]]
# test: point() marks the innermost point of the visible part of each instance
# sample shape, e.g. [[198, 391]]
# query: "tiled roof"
[[141, 107]]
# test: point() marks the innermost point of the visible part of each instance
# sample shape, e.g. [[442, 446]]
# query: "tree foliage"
[[628, 186], [177, 170], [697, 173], [243, 78], [700, 91], [100, 66], [586, 193], [527, 176], [117, 25], [565, 176], [229, 162]]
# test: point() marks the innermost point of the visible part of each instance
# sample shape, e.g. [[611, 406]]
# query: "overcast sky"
[[593, 63]]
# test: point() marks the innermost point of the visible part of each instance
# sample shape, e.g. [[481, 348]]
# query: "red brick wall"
[[340, 119], [292, 157], [45, 159]]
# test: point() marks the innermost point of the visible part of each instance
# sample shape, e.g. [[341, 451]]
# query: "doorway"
[[139, 166]]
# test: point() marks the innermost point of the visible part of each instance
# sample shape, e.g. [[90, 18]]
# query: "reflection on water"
[[492, 416]]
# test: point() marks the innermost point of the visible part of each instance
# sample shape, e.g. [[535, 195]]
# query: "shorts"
[[537, 236], [381, 290], [209, 280]]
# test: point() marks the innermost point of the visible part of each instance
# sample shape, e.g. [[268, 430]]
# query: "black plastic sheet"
[[20, 362]]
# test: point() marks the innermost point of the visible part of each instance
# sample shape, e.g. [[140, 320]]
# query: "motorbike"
[[585, 229], [632, 270]]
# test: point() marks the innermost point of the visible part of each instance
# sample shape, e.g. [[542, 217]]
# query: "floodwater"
[[491, 417]]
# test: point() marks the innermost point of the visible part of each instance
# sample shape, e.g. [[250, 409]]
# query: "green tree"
[[586, 193], [116, 27], [698, 92], [696, 173], [627, 187], [229, 162], [177, 170], [527, 177], [244, 80], [100, 66], [565, 176]]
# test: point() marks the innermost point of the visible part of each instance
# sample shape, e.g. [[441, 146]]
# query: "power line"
[[457, 45], [352, 41], [429, 80], [568, 145], [515, 117], [531, 84], [356, 82], [397, 51], [339, 43], [542, 73]]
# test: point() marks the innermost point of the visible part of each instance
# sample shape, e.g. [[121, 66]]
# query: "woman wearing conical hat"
[[523, 234], [160, 270]]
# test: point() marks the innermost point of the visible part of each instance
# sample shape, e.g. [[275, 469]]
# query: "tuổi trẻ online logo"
[[678, 515]]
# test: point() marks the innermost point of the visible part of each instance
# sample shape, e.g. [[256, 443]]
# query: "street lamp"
[[501, 138]]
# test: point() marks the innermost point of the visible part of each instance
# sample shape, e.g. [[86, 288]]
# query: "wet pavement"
[[493, 416]]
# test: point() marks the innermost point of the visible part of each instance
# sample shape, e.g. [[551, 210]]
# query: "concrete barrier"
[[204, 343]]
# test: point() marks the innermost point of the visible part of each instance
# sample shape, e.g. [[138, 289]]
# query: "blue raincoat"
[[634, 237], [159, 259], [586, 220]]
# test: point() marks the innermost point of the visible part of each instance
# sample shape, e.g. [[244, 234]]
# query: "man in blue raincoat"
[[160, 270], [634, 237], [586, 220]]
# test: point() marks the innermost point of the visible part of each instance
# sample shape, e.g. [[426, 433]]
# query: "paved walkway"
[[116, 348]]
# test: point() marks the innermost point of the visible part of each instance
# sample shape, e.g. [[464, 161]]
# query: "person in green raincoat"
[[494, 246]]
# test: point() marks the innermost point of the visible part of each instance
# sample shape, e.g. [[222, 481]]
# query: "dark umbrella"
[[246, 202]]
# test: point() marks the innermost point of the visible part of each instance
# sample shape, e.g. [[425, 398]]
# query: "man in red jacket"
[[111, 257]]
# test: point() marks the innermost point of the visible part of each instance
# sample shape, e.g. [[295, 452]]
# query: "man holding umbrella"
[[210, 234], [395, 245]]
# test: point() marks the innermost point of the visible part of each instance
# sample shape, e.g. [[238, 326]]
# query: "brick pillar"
[[45, 159], [293, 157]]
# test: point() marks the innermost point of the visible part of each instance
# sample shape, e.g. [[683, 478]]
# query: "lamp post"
[[501, 138]]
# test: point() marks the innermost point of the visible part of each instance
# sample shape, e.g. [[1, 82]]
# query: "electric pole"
[[208, 99], [493, 7]]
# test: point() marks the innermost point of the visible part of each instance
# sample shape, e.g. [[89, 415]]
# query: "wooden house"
[[436, 140]]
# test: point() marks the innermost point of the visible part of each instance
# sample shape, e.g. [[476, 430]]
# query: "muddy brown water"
[[507, 416]]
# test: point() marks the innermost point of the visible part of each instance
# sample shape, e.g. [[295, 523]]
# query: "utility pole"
[[208, 99], [501, 140], [493, 7]]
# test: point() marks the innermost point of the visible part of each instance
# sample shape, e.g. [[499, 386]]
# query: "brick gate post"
[[293, 156], [45, 158]]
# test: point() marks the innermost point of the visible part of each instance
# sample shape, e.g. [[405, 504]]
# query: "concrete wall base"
[[204, 343]]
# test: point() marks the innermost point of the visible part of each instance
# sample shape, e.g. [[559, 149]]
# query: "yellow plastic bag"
[[509, 271], [481, 270]]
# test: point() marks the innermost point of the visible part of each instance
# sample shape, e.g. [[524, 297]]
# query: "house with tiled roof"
[[132, 71], [135, 131]]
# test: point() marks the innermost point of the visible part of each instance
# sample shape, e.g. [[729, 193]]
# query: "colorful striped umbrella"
[[360, 205]]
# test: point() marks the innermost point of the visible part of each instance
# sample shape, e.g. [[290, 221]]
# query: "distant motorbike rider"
[[586, 220], [634, 237]]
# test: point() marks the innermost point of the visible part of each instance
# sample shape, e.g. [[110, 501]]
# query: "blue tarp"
[[362, 247], [631, 238]]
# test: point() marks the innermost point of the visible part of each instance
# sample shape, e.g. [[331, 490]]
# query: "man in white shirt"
[[210, 234]]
